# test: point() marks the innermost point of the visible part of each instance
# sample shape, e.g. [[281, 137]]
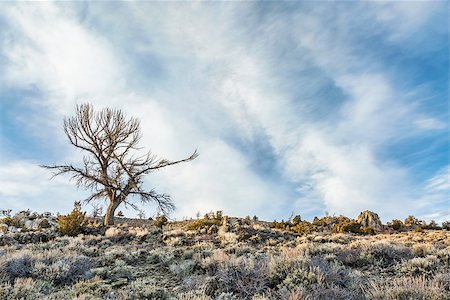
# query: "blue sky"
[[300, 107]]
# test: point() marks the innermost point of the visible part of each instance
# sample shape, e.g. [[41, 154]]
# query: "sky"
[[295, 107]]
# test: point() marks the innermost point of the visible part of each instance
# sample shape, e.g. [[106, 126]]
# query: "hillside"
[[230, 258]]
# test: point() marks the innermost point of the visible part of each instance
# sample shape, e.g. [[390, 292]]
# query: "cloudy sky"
[[294, 107]]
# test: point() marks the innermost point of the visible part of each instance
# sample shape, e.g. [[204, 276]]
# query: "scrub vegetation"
[[219, 257]]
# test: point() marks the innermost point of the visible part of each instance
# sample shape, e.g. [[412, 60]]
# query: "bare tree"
[[112, 167], [97, 210]]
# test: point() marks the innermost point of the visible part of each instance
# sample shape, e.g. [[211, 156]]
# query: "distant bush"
[[446, 225], [160, 221], [303, 227], [296, 220], [202, 223], [412, 221], [348, 226], [431, 225], [10, 221], [71, 224], [396, 225]]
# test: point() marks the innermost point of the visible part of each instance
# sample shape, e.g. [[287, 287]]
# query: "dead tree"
[[112, 167]]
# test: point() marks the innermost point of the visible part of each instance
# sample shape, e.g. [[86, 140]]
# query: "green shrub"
[[202, 223], [296, 220], [10, 221], [347, 226], [396, 225], [367, 230], [71, 224], [303, 227]]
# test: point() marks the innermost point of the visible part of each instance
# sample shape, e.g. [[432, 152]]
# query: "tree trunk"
[[109, 216]]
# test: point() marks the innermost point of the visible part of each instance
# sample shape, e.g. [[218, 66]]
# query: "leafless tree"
[[97, 210], [112, 167]]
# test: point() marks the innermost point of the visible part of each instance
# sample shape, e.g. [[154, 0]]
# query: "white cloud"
[[435, 202], [49, 48], [221, 77], [52, 50], [430, 124], [25, 185]]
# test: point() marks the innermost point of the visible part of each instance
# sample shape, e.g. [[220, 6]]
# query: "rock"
[[370, 219], [3, 228], [234, 222], [138, 231], [114, 232], [13, 229], [213, 229], [224, 221], [31, 224]]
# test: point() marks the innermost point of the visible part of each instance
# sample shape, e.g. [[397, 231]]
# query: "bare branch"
[[112, 167]]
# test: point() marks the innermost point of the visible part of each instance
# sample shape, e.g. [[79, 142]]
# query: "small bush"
[[396, 225], [71, 224], [202, 223], [348, 226], [160, 221], [10, 221], [446, 225], [17, 266]]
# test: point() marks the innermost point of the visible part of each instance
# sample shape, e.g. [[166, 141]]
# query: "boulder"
[[370, 219], [138, 231], [31, 224], [115, 232], [3, 228], [213, 229]]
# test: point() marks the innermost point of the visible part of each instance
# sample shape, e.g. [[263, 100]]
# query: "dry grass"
[[245, 262]]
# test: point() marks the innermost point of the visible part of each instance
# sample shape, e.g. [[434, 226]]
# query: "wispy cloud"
[[292, 85]]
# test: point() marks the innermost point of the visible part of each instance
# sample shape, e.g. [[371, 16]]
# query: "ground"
[[244, 260]]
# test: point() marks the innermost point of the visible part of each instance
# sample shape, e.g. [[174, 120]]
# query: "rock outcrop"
[[370, 219]]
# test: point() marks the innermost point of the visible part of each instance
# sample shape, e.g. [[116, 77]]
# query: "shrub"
[[446, 225], [303, 227], [396, 225], [18, 265], [412, 221], [244, 278], [347, 226], [367, 230], [10, 221], [202, 223], [296, 220], [63, 270], [160, 221], [71, 224], [431, 225]]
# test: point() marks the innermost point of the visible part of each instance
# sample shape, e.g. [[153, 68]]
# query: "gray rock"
[[31, 224], [213, 229], [370, 219]]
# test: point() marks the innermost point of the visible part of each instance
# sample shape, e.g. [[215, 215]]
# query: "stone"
[[370, 219], [31, 224], [3, 228], [114, 231], [138, 231], [213, 229], [224, 221]]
